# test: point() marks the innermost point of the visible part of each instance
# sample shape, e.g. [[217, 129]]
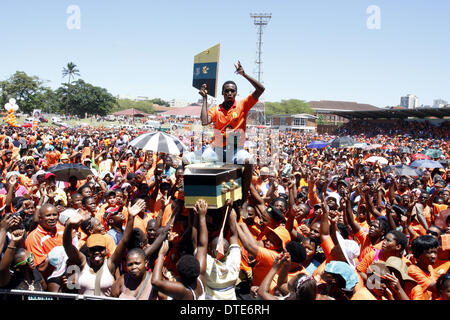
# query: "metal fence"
[[6, 295]]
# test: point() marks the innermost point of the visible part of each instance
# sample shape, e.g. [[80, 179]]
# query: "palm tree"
[[71, 71]]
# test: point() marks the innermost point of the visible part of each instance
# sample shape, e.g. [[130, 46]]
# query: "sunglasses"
[[28, 259]]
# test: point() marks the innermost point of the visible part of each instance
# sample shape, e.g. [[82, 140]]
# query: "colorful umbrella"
[[420, 156], [317, 145], [434, 153]]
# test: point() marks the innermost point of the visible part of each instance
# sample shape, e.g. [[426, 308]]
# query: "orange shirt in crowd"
[[424, 279], [40, 242], [264, 260], [366, 246], [235, 117]]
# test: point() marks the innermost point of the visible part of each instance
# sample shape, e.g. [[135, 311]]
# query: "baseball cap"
[[49, 175], [96, 240], [64, 156], [264, 171], [275, 213]]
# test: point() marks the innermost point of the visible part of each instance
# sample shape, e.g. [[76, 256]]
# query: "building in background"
[[301, 122], [409, 101], [178, 103], [439, 103], [325, 110]]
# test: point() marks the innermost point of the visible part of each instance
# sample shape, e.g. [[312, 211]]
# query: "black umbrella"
[[403, 170], [64, 171], [342, 142]]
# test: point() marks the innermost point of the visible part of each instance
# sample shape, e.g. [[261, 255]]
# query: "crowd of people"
[[313, 224]]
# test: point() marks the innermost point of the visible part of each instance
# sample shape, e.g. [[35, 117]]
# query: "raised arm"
[[118, 254], [201, 209], [349, 215], [75, 256], [5, 264], [206, 119], [174, 289], [232, 224], [259, 88], [264, 288], [250, 244]]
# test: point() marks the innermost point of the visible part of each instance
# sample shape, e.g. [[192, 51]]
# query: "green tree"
[[70, 71], [29, 91], [80, 97], [123, 104], [160, 102], [291, 106]]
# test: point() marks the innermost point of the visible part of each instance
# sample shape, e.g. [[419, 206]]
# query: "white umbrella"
[[159, 142], [360, 145], [379, 159], [373, 146]]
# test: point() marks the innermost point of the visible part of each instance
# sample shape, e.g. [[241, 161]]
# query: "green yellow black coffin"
[[212, 183]]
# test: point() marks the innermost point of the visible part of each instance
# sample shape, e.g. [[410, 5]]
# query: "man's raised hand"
[[203, 92], [239, 69]]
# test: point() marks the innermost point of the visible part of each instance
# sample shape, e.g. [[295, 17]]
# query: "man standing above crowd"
[[231, 114]]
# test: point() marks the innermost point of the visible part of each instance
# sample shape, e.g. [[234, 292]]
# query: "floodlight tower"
[[260, 20]]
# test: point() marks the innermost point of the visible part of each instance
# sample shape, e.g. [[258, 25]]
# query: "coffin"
[[212, 183]]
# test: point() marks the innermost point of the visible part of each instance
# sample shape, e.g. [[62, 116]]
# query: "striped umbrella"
[[159, 142]]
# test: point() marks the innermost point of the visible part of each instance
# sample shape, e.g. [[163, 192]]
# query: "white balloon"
[[12, 101], [8, 106], [15, 107]]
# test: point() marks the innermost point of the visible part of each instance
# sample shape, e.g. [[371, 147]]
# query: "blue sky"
[[313, 50]]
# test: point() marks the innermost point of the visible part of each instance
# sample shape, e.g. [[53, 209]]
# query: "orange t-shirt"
[[264, 260], [424, 279], [141, 223], [40, 242], [235, 117], [366, 245]]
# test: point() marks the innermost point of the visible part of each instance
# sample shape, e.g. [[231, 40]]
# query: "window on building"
[[299, 122], [282, 121]]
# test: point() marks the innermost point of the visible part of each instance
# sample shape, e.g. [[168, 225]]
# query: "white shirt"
[[221, 276]]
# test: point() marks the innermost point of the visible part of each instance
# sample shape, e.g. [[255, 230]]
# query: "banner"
[[206, 68]]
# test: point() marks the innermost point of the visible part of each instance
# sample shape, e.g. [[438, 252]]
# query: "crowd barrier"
[[7, 295]]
